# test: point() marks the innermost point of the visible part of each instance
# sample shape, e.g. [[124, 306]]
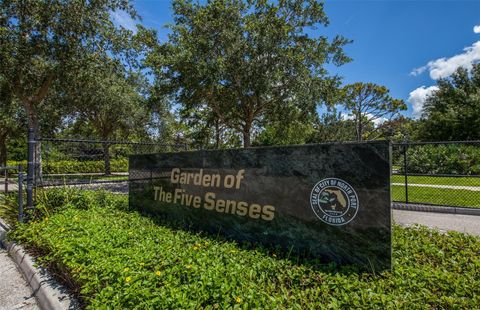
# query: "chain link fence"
[[429, 173], [423, 173], [89, 164], [437, 173]]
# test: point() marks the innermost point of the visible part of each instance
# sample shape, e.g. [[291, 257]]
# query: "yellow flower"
[[128, 279], [215, 306], [158, 273], [206, 243], [195, 247], [238, 300], [46, 219], [126, 269], [188, 266]]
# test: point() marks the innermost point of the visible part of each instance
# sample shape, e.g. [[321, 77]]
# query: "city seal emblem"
[[334, 201]]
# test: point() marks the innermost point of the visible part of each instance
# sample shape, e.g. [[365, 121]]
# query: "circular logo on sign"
[[334, 201]]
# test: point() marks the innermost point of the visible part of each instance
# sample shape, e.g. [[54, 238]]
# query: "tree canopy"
[[453, 111], [45, 42], [242, 61], [368, 104]]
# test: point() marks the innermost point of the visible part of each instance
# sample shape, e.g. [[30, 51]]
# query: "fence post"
[[405, 146], [30, 167], [6, 180], [20, 193]]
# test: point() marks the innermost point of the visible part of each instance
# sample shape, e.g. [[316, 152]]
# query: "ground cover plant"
[[116, 258]]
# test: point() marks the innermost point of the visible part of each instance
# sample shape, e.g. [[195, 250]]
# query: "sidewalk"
[[15, 293], [469, 224], [12, 185], [468, 188]]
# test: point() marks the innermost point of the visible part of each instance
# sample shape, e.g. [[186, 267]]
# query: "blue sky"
[[404, 45]]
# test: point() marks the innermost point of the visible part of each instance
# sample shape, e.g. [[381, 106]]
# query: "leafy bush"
[[73, 166], [441, 159], [118, 259]]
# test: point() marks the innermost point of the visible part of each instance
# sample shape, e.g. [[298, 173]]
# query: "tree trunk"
[[106, 158], [29, 103], [3, 150], [246, 135], [359, 127], [217, 134]]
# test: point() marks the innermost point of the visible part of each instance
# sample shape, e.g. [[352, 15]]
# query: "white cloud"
[[417, 98], [418, 71], [376, 122], [347, 117], [476, 29], [443, 67], [121, 18]]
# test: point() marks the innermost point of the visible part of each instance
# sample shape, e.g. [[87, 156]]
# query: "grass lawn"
[[117, 259], [440, 196]]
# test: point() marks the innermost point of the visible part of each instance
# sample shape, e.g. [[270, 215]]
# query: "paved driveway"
[[443, 221]]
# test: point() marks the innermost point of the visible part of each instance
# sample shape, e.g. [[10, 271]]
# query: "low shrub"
[[441, 159], [118, 259], [73, 166]]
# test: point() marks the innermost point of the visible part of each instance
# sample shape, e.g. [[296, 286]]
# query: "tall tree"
[[204, 130], [109, 101], [43, 42], [370, 103], [333, 126], [291, 126], [453, 111], [400, 129], [242, 60]]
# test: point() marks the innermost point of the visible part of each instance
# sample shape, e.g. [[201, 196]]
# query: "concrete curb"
[[48, 293], [435, 209]]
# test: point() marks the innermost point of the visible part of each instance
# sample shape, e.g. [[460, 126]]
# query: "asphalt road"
[[442, 221]]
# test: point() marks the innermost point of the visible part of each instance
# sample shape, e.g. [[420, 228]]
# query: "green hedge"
[[116, 259], [441, 159], [72, 166]]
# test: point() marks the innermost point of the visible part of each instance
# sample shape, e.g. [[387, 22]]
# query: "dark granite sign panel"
[[325, 200]]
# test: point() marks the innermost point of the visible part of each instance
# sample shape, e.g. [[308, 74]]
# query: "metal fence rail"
[[437, 173]]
